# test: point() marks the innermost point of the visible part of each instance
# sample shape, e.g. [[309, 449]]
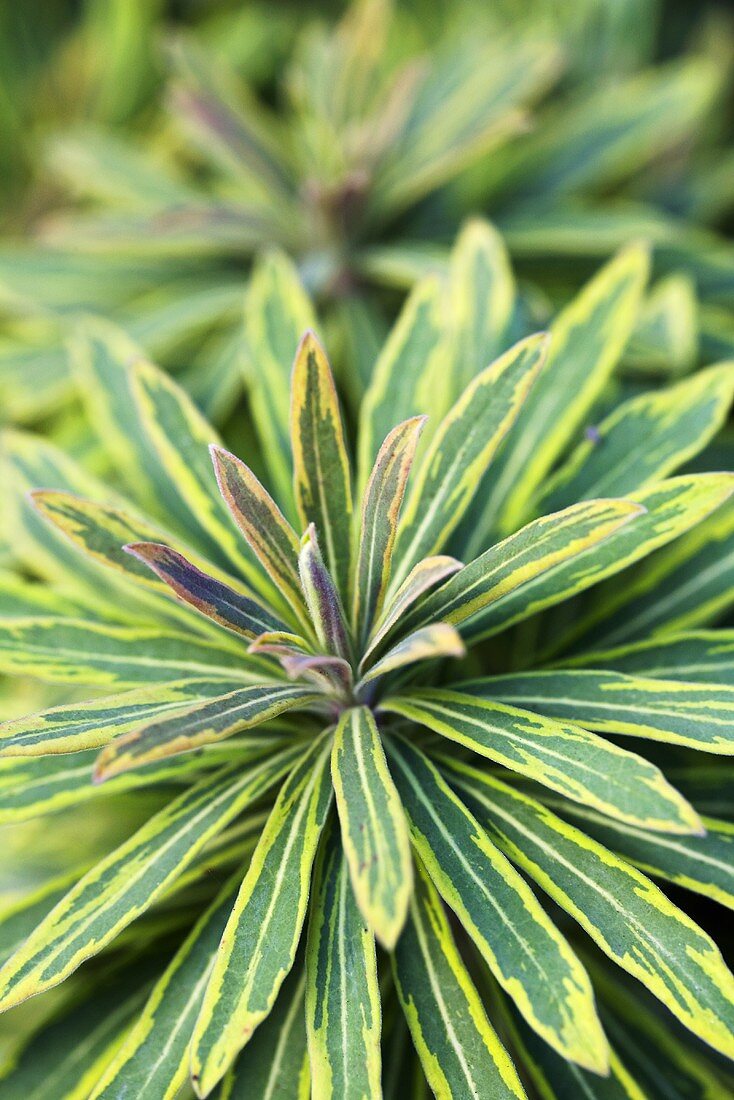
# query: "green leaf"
[[260, 941], [277, 313], [559, 755], [458, 1048], [644, 439], [674, 711], [587, 340], [407, 379], [267, 531], [704, 864], [664, 343], [91, 724], [422, 578], [628, 917], [374, 830], [383, 499], [703, 656], [154, 1057], [343, 1015], [425, 644], [526, 562], [211, 597], [522, 948], [463, 447], [129, 880], [322, 598], [322, 478], [74, 651], [482, 288], [202, 723], [669, 509], [275, 1061]]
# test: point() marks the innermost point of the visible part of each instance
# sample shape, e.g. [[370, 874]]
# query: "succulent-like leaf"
[[322, 598], [261, 937], [373, 827], [457, 1045], [521, 946], [557, 754], [322, 478], [343, 1013]]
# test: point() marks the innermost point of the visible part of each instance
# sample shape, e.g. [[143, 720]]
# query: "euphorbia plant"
[[374, 718]]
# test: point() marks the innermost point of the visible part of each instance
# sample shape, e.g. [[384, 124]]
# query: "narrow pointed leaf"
[[424, 576], [129, 880], [383, 499], [628, 917], [322, 478], [644, 439], [275, 1061], [525, 562], [205, 722], [559, 755], [91, 724], [327, 672], [458, 1047], [343, 1014], [322, 598], [260, 941], [406, 380], [268, 533], [74, 651], [425, 644], [154, 1058], [698, 715], [522, 948], [218, 601], [374, 829], [464, 445], [701, 656]]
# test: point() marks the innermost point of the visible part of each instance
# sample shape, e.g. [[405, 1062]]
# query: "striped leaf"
[[322, 598], [74, 651], [277, 313], [19, 916], [458, 1047], [343, 1015], [181, 438], [268, 533], [407, 375], [686, 505], [704, 864], [587, 340], [559, 755], [200, 724], [154, 1057], [218, 601], [422, 578], [669, 509], [261, 937], [383, 499], [91, 724], [425, 644], [322, 478], [644, 439], [621, 910], [374, 830], [697, 715], [464, 445], [482, 290], [525, 563], [703, 656], [129, 880], [522, 948], [39, 786], [275, 1061]]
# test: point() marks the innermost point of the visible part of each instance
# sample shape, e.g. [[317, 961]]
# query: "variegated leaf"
[[428, 643], [702, 656], [322, 598], [424, 576]]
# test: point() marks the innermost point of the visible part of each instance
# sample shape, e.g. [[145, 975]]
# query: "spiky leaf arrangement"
[[391, 776]]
